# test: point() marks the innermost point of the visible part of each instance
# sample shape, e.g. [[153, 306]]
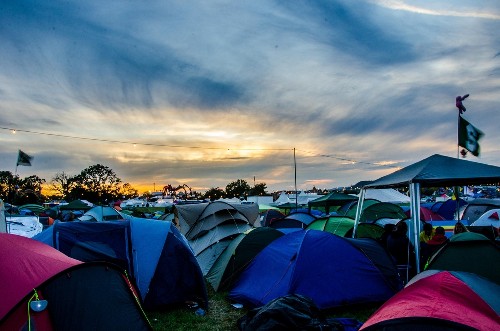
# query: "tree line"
[[99, 184]]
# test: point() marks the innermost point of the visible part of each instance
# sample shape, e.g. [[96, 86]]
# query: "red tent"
[[427, 215], [440, 300], [78, 295]]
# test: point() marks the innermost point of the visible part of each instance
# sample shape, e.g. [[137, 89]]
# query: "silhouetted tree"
[[214, 193], [238, 188], [62, 184], [96, 184], [258, 189]]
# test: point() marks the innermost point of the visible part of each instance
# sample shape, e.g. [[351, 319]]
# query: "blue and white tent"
[[154, 253]]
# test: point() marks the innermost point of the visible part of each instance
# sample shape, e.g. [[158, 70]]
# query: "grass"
[[221, 315]]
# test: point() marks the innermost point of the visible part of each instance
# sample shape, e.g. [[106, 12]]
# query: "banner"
[[23, 159], [468, 136]]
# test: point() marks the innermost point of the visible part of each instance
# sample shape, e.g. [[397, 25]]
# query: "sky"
[[288, 93]]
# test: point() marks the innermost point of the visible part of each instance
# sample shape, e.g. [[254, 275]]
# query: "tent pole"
[[359, 208], [415, 219]]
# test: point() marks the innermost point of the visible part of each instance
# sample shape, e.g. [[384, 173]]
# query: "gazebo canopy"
[[439, 170]]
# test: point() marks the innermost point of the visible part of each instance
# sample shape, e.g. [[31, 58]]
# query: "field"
[[221, 315]]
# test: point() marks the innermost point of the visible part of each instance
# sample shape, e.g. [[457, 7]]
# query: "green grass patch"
[[221, 315]]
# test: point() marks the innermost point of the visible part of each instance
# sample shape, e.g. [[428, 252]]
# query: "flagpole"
[[458, 135], [295, 179]]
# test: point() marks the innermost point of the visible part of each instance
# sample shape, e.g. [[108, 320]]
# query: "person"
[[430, 247], [398, 244], [427, 233], [459, 228], [387, 231], [402, 250], [439, 237]]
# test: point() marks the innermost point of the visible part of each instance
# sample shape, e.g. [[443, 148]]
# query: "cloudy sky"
[[207, 92]]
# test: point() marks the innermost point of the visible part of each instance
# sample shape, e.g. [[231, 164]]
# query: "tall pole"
[[458, 136], [461, 108], [295, 169]]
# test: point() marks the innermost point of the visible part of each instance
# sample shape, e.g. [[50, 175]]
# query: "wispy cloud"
[[213, 92]]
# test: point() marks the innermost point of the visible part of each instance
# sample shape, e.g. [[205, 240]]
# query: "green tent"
[[470, 252], [37, 209], [235, 258], [343, 226], [351, 211], [382, 210], [339, 225], [333, 199], [75, 205]]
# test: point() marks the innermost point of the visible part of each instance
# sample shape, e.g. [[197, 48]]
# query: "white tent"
[[387, 195], [491, 217]]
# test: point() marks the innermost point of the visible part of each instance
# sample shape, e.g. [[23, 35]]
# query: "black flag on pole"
[[468, 136], [23, 159]]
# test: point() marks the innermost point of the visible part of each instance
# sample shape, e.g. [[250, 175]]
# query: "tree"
[[97, 184], [29, 190], [63, 184], [128, 191], [7, 184], [214, 193], [258, 189], [238, 188]]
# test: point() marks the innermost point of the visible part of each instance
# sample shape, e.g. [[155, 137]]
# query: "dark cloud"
[[350, 28]]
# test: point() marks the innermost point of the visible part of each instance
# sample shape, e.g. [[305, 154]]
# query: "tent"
[[448, 209], [471, 252], [440, 301], [36, 209], [491, 217], [23, 225], [293, 220], [331, 270], [339, 225], [234, 259], [75, 205], [488, 224], [478, 207], [3, 224], [426, 214], [387, 195], [269, 215], [79, 296], [195, 219], [101, 214], [436, 170], [382, 210], [343, 226], [153, 252], [333, 199], [350, 208]]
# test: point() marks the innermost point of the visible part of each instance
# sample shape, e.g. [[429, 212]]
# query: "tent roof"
[[75, 205], [32, 263], [439, 170], [387, 195], [454, 300], [332, 199]]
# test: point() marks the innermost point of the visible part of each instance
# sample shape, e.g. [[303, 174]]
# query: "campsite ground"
[[222, 316]]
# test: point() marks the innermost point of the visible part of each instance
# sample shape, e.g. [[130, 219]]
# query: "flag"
[[468, 136], [24, 159]]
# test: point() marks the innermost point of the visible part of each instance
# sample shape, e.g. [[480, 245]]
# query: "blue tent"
[[154, 253], [331, 270]]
